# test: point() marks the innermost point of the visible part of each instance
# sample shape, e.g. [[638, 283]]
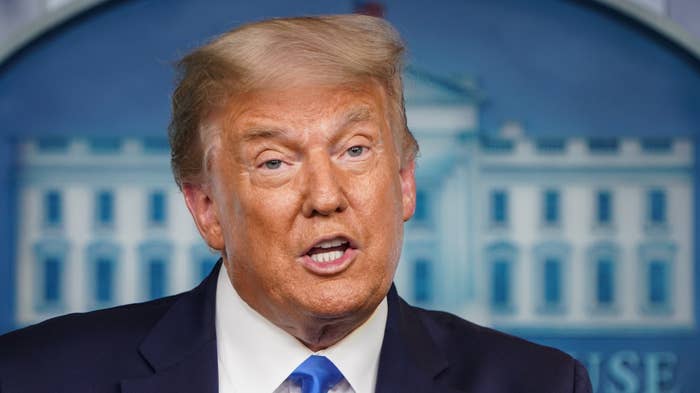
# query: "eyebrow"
[[357, 115], [254, 133], [354, 115]]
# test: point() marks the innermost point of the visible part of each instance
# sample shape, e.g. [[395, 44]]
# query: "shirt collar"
[[256, 355]]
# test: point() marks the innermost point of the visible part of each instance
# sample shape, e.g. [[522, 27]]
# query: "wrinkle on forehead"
[[260, 131], [246, 118]]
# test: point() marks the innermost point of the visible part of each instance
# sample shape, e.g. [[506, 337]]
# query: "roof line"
[[660, 23], [463, 88], [47, 21], [33, 30]]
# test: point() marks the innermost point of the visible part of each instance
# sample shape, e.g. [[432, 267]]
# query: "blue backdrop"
[[569, 68]]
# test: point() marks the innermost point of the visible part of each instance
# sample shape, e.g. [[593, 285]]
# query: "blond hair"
[[332, 49]]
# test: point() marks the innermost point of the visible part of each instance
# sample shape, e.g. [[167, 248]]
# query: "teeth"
[[326, 256], [331, 243]]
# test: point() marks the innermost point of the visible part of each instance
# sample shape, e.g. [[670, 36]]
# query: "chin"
[[341, 302]]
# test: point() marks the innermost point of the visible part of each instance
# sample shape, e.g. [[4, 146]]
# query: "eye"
[[272, 164], [356, 151]]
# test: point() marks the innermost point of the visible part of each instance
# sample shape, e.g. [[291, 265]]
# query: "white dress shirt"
[[254, 355]]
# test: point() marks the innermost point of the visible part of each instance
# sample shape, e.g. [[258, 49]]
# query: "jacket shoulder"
[[483, 357], [81, 343]]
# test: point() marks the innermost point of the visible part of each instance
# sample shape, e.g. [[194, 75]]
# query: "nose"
[[323, 192]]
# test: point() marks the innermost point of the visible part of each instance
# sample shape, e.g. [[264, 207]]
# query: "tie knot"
[[317, 374]]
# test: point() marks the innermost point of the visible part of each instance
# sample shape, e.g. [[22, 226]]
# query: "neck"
[[320, 334], [315, 331]]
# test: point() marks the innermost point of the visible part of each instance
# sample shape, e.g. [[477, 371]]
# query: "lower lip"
[[329, 268]]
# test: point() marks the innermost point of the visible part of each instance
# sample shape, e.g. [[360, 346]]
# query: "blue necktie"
[[317, 374]]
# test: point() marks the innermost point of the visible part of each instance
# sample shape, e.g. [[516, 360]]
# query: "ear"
[[408, 189], [205, 214]]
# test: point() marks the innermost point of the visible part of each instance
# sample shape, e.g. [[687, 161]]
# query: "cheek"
[[378, 200], [261, 222]]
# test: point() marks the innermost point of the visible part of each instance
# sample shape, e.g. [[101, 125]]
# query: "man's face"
[[308, 200]]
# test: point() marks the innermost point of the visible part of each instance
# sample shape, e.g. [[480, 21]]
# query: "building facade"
[[583, 234], [101, 223]]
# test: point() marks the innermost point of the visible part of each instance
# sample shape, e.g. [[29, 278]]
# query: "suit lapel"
[[409, 360], [181, 347]]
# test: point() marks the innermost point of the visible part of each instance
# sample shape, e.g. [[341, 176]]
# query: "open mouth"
[[328, 250], [330, 255]]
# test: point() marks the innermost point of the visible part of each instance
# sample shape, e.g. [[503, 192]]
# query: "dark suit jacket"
[[169, 345]]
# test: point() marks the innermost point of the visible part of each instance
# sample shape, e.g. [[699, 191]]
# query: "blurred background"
[[556, 184]]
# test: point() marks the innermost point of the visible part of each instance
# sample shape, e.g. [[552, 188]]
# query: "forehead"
[[303, 106]]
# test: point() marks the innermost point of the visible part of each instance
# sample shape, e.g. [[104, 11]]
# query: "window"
[[603, 276], [552, 282], [657, 283], [550, 145], [550, 277], [102, 260], [53, 208], [157, 208], [104, 280], [656, 291], [551, 207], [155, 273], [603, 145], [604, 212], [657, 145], [605, 282], [499, 207], [50, 256], [657, 207], [422, 212], [422, 279], [203, 261], [52, 279], [500, 259], [500, 287], [156, 278], [104, 208], [206, 265]]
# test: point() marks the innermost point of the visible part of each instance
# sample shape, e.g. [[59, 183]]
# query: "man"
[[289, 143]]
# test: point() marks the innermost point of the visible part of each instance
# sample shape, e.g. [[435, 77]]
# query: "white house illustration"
[[512, 229]]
